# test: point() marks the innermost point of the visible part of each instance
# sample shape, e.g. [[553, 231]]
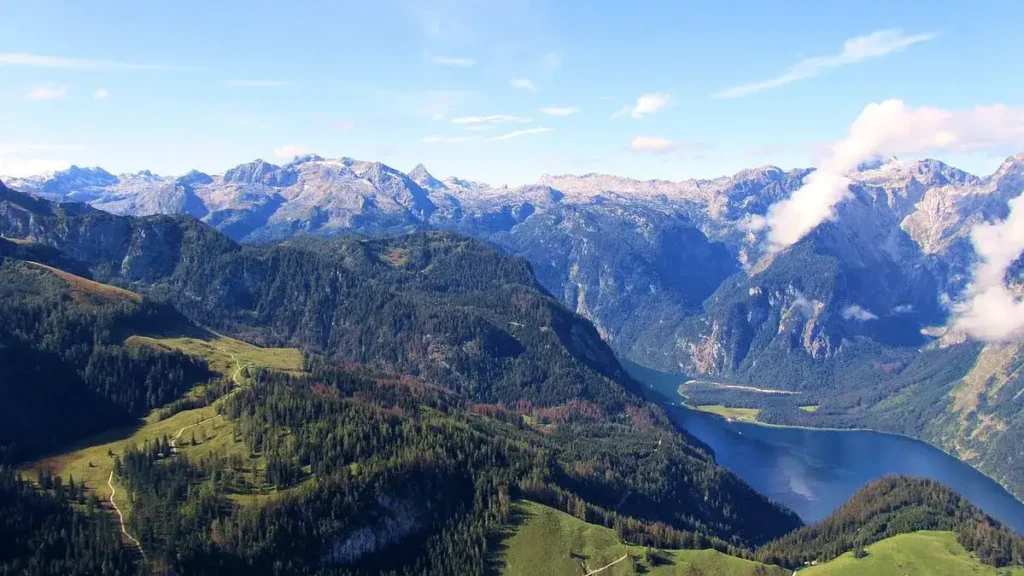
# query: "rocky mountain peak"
[[250, 173], [425, 179]]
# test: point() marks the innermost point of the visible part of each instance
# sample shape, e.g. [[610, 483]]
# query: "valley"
[[434, 340]]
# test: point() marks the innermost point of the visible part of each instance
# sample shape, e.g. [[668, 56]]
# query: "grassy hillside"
[[90, 460], [548, 541], [920, 553]]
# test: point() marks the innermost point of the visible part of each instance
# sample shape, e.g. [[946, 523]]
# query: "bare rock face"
[[394, 520]]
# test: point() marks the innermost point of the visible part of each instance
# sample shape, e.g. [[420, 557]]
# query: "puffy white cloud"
[[518, 133], [993, 311], [903, 309], [858, 49], [523, 84], [290, 151], [645, 105], [560, 110], [258, 83], [50, 91], [491, 119], [100, 94], [855, 312], [458, 61], [885, 129]]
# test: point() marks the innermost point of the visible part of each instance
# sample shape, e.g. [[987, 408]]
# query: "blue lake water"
[[815, 471]]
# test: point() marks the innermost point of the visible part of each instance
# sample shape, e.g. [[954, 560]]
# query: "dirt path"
[[624, 556], [174, 441], [234, 377], [120, 518]]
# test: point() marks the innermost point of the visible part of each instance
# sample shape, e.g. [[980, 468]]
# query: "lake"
[[815, 471]]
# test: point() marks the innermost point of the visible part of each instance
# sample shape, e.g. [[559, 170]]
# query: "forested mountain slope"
[[484, 385]]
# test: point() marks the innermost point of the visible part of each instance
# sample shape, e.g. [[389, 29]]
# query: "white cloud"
[[101, 94], [290, 151], [14, 163], [993, 312], [903, 309], [860, 48], [22, 167], [50, 91], [645, 105], [518, 133], [855, 312], [458, 61], [491, 119], [885, 129], [38, 61], [650, 144], [560, 110], [523, 84], [657, 145], [258, 83], [447, 139]]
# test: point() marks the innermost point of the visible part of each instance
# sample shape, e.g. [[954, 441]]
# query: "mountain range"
[[855, 316]]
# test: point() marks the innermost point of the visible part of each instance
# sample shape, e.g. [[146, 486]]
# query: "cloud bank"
[[885, 129], [993, 311]]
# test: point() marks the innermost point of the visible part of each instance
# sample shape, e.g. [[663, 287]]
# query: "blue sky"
[[495, 91]]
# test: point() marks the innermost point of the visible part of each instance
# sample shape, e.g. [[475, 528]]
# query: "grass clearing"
[[548, 541], [224, 354], [812, 408], [743, 414], [91, 460], [916, 554], [85, 291]]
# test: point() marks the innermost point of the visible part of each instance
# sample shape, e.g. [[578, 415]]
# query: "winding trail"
[[120, 518], [624, 556], [174, 441], [234, 377]]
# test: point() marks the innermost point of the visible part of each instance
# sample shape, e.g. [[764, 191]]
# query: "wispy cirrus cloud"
[[457, 61], [491, 119], [560, 110], [40, 61], [858, 49], [645, 105], [49, 91], [518, 133], [523, 84], [448, 139], [101, 94], [258, 83], [658, 145]]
